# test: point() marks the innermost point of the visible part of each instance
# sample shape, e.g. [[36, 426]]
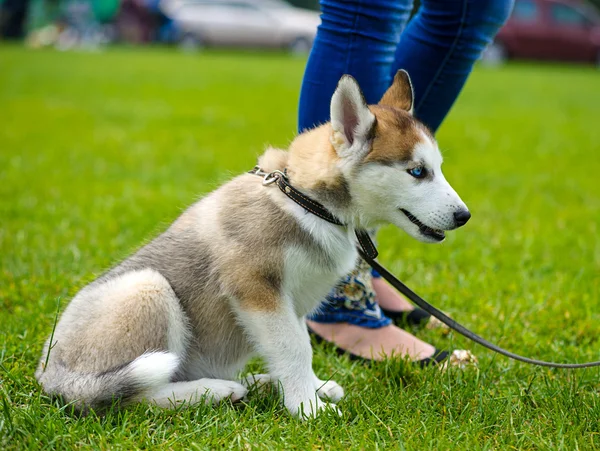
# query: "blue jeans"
[[370, 40]]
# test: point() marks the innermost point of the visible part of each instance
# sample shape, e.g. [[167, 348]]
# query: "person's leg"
[[439, 47], [356, 37], [343, 46]]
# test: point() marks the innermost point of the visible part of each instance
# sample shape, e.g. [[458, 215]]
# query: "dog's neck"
[[313, 167]]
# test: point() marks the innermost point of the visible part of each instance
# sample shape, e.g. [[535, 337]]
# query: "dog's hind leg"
[[117, 340], [193, 392]]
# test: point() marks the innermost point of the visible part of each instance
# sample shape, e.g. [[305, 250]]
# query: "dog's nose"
[[462, 217]]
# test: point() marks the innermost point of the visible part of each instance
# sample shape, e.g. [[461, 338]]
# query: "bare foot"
[[388, 298], [375, 344]]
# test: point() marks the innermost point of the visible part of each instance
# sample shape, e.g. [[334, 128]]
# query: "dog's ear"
[[352, 122], [400, 94]]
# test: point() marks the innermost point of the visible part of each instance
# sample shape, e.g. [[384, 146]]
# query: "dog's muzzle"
[[461, 217]]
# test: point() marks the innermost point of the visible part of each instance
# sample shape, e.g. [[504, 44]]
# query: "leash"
[[368, 252], [433, 311]]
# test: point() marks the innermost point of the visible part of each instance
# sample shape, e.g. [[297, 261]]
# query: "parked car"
[[243, 23], [561, 30]]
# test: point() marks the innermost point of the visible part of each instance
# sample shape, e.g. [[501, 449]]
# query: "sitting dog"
[[237, 272]]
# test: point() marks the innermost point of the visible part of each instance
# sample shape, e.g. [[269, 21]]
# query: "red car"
[[560, 30]]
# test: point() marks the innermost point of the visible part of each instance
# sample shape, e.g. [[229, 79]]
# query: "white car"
[[243, 23]]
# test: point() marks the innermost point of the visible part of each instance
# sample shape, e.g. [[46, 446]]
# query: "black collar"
[[314, 207]]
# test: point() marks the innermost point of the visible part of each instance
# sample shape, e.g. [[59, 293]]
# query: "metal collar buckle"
[[272, 177]]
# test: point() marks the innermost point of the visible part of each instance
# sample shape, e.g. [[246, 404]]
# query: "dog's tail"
[[99, 390]]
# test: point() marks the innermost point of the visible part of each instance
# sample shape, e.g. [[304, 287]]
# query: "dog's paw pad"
[[330, 390]]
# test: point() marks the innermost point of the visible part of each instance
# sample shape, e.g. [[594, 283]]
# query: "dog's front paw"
[[330, 390], [310, 409]]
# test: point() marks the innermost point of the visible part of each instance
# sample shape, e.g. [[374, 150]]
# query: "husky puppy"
[[237, 272]]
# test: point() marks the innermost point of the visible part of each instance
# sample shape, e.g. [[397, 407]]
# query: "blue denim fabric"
[[370, 40], [367, 39]]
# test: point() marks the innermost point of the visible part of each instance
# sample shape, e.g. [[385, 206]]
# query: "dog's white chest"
[[307, 283], [308, 276]]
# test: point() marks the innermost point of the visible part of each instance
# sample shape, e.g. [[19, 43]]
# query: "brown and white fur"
[[237, 272]]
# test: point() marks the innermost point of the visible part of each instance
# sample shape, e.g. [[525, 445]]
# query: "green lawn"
[[99, 152]]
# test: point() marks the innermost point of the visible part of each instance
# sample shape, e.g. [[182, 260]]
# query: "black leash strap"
[[418, 300], [368, 252]]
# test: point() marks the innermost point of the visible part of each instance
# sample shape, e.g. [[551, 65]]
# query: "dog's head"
[[391, 162]]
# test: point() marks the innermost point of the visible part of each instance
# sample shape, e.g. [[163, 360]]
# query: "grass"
[[99, 152]]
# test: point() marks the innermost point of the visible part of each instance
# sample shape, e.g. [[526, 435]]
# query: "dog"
[[236, 273]]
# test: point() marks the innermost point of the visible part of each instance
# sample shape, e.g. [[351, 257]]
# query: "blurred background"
[[559, 30], [116, 114]]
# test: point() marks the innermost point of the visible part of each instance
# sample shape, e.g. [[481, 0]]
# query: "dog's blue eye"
[[419, 172]]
